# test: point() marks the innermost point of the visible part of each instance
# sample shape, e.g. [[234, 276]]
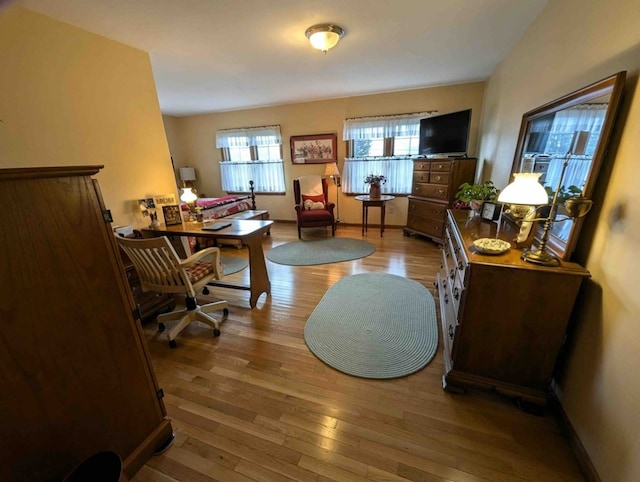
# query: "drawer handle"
[[438, 178], [451, 332], [440, 191], [440, 166]]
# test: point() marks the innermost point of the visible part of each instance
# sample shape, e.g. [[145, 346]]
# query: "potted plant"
[[474, 195], [375, 181]]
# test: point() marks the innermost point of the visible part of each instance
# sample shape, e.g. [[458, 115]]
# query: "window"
[[381, 145], [251, 154]]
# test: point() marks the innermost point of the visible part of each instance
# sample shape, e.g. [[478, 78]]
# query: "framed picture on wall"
[[314, 149]]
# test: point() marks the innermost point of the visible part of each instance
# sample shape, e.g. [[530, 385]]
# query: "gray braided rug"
[[320, 251], [374, 325], [233, 264]]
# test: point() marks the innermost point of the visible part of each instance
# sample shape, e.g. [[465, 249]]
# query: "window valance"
[[250, 136], [379, 127]]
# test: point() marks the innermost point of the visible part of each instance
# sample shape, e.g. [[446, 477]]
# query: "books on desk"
[[216, 226]]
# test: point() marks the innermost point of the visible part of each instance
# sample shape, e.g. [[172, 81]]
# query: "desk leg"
[[382, 213], [364, 219], [258, 275]]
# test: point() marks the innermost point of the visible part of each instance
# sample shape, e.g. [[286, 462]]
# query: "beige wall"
[[69, 97], [574, 43], [192, 139]]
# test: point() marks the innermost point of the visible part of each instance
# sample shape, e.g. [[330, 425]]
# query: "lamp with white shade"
[[525, 190], [331, 171], [187, 176]]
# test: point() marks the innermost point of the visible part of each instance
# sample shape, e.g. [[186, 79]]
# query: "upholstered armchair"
[[313, 208]]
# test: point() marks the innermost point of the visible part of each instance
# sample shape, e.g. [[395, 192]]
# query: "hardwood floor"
[[256, 405]]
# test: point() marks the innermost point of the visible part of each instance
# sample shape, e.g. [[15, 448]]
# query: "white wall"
[[574, 43]]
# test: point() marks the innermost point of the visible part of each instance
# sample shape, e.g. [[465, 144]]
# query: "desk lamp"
[[526, 190], [189, 198]]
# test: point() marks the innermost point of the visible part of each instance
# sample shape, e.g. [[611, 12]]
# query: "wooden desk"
[[249, 232], [367, 202]]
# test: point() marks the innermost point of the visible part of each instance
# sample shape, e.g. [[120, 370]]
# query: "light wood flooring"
[[256, 405]]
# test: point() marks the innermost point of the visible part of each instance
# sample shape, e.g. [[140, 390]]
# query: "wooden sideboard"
[[503, 319], [76, 374], [433, 191]]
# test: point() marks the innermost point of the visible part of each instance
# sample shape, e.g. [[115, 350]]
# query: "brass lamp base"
[[540, 257]]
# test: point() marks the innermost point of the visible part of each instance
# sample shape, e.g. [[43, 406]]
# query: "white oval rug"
[[374, 325]]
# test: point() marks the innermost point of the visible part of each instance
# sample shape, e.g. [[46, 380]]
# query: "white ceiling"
[[220, 55]]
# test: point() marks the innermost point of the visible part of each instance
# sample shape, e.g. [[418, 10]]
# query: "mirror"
[[577, 125]]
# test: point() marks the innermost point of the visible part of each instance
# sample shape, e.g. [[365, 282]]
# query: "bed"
[[220, 207]]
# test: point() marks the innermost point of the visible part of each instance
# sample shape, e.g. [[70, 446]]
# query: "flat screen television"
[[445, 135]]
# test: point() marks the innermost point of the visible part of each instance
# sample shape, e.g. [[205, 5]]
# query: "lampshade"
[[324, 36], [187, 174], [331, 170], [525, 189], [188, 196]]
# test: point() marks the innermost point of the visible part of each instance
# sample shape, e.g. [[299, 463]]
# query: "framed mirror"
[[576, 127]]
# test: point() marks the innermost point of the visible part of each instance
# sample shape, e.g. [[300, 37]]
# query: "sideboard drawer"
[[441, 166], [433, 191], [427, 209], [422, 166], [437, 177], [420, 176]]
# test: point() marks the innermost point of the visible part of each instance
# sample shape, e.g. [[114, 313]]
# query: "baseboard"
[[584, 461]]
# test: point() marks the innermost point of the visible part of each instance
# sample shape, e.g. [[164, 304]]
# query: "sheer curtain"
[[267, 174], [397, 169], [583, 118]]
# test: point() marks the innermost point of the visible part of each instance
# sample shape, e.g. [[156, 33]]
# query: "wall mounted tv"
[[445, 135]]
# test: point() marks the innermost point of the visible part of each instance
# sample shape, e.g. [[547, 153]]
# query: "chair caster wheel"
[[172, 344], [205, 291], [161, 327], [225, 312], [216, 332]]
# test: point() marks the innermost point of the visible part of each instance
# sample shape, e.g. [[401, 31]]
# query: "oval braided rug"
[[374, 325], [320, 251]]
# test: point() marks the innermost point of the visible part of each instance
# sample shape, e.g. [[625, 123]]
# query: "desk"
[[249, 232], [379, 202]]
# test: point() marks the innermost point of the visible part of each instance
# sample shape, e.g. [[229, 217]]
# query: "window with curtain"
[[381, 145], [251, 154]]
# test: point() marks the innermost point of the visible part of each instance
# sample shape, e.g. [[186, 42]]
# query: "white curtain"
[[398, 171], [383, 126], [250, 136], [267, 176]]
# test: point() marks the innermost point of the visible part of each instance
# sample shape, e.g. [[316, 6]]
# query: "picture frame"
[[172, 215], [491, 211], [314, 149]]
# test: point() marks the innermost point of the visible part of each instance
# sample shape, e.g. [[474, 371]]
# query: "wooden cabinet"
[[435, 184], [76, 373], [503, 319]]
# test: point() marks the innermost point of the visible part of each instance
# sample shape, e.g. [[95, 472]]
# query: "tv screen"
[[446, 134]]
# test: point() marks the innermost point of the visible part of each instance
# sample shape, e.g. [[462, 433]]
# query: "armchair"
[[313, 208]]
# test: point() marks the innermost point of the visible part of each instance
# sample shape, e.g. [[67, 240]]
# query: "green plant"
[[564, 193], [480, 192], [375, 179]]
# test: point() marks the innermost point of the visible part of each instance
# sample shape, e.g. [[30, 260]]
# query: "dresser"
[[503, 319], [434, 187], [76, 374]]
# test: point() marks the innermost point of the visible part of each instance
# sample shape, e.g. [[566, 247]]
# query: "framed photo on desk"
[[171, 214]]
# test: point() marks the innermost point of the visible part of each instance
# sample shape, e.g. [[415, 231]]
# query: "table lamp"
[[526, 190], [189, 198], [187, 176]]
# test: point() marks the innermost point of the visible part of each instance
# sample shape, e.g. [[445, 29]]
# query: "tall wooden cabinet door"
[[75, 372]]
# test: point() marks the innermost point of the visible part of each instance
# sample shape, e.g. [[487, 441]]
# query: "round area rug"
[[374, 325], [233, 264], [320, 251]]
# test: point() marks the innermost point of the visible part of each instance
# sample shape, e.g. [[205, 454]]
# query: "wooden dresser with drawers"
[[435, 184]]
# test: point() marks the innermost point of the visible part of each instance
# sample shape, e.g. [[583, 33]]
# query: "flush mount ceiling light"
[[324, 36]]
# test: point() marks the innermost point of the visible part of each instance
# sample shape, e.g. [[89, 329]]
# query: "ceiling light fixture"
[[324, 36]]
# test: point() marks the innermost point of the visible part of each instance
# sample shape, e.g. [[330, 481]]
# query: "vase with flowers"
[[375, 181]]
